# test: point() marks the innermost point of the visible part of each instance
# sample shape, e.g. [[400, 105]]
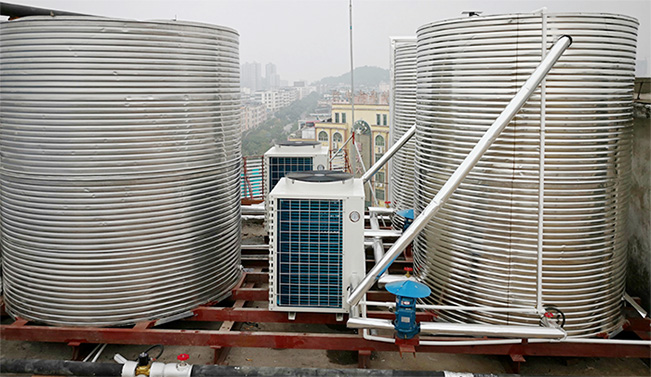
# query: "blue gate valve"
[[407, 291]]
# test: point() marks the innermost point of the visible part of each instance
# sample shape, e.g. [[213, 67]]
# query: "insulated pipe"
[[460, 173], [78, 368], [59, 367], [445, 328], [502, 331], [394, 148], [342, 147]]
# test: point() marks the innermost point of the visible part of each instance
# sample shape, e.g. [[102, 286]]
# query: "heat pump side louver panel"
[[280, 166], [310, 253]]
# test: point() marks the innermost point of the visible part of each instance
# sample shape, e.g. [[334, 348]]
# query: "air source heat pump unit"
[[316, 234], [291, 156]]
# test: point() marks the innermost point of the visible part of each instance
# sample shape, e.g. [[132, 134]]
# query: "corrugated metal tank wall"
[[403, 118], [120, 168], [481, 249]]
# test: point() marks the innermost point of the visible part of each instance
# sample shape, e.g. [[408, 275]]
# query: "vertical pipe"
[[361, 163], [541, 165], [462, 171], [392, 112]]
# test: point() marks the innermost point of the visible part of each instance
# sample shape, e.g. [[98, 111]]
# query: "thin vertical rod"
[[352, 81], [489, 137], [541, 166]]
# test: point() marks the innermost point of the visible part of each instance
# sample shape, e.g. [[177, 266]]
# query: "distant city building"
[[253, 115], [272, 79], [275, 100], [251, 76], [269, 98]]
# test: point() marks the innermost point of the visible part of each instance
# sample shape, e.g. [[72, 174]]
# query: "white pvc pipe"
[[462, 171], [368, 336], [502, 331], [490, 342], [454, 307], [99, 353], [449, 343], [369, 323], [91, 353]]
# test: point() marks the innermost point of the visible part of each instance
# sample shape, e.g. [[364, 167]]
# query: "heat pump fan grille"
[[280, 166], [310, 253]]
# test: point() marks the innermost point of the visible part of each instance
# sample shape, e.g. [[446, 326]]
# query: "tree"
[[258, 140]]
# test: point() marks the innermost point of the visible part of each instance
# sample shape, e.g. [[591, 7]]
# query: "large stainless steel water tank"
[[481, 249], [403, 117], [120, 172]]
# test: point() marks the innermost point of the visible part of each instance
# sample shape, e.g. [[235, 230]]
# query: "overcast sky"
[[308, 39]]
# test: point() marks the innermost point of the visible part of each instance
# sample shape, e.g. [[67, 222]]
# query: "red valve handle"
[[183, 357], [549, 315], [408, 269]]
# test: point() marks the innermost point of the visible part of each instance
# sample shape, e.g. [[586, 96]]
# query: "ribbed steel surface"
[[403, 118], [120, 168], [481, 249]]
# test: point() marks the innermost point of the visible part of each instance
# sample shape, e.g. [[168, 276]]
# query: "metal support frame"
[[250, 289], [291, 340]]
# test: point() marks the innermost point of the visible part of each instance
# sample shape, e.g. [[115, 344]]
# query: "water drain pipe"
[[462, 171]]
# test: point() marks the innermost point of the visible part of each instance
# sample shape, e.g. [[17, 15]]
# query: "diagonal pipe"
[[462, 171]]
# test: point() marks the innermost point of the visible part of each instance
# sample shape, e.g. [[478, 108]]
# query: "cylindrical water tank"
[[120, 171], [403, 117], [482, 247]]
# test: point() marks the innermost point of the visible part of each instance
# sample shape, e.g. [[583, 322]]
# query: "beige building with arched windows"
[[333, 134]]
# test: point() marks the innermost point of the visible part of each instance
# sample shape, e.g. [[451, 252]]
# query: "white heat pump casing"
[[351, 193], [316, 151]]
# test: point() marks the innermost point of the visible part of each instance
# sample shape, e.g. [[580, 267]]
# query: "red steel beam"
[[298, 341], [257, 277], [217, 314]]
